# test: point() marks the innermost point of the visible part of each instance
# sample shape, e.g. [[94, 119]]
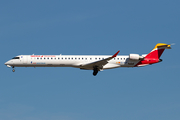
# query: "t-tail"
[[154, 55]]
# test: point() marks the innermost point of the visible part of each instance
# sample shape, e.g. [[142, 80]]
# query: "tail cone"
[[160, 60]]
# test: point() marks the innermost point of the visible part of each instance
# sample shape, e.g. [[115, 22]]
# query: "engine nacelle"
[[135, 57]]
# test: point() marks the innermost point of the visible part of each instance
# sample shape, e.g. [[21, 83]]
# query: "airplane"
[[90, 62]]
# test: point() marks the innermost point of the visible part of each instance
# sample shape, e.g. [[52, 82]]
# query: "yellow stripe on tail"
[[162, 45]]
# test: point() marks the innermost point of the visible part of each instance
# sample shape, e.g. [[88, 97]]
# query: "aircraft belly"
[[110, 66]]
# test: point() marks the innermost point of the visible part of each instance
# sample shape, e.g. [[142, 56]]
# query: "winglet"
[[115, 54]]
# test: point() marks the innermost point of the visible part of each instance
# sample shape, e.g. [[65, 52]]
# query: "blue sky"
[[93, 27]]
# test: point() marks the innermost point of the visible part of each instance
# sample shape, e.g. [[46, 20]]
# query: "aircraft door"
[[25, 59]]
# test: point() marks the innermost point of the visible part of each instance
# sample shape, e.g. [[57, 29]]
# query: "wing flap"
[[99, 64]]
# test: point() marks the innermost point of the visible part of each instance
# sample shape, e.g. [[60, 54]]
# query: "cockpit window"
[[16, 58]]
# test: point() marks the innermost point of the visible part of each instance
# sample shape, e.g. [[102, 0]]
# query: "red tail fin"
[[158, 50], [154, 55]]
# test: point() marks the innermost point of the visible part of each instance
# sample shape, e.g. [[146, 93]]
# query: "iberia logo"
[[33, 62]]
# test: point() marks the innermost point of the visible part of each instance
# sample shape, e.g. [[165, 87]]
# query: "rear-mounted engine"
[[135, 57]]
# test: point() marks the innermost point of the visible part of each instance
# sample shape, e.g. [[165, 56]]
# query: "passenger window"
[[44, 58]]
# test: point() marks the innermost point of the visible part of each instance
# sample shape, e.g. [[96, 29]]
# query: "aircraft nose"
[[8, 63]]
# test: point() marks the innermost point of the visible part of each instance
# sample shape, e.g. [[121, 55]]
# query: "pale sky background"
[[96, 27]]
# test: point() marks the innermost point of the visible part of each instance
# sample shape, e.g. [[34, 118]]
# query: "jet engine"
[[135, 57]]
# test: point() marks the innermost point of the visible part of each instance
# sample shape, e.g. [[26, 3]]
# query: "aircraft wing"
[[99, 64]]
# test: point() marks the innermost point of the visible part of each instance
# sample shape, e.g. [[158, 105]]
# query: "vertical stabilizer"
[[158, 50], [154, 55]]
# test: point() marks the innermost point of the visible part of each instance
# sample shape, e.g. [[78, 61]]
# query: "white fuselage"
[[90, 62], [77, 61]]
